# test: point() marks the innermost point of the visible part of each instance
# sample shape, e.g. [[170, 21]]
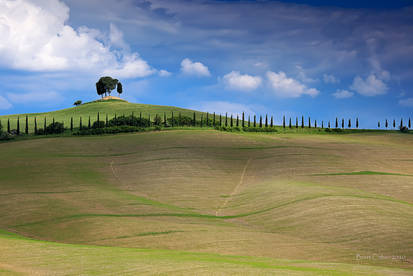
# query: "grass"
[[146, 203]]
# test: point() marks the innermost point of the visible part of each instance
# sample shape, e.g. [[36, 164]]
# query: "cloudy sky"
[[293, 58]]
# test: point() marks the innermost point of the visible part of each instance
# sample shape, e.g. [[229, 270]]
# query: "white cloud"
[[404, 102], [221, 107], [371, 86], [194, 68], [330, 79], [34, 97], [164, 73], [4, 103], [35, 37], [343, 94], [303, 76], [287, 87], [237, 81]]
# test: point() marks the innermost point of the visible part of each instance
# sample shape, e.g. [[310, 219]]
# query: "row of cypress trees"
[[401, 125], [208, 121]]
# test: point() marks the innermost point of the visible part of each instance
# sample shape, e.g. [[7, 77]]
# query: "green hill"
[[205, 202], [107, 107]]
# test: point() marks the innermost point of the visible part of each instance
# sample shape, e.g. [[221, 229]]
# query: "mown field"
[[204, 202]]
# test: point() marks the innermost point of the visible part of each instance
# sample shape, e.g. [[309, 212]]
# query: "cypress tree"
[[8, 125], [237, 121], [18, 126], [260, 121], [322, 124], [296, 122], [272, 121], [249, 120], [328, 124], [401, 122], [35, 125], [283, 121], [266, 120], [99, 117], [255, 120], [115, 115], [315, 123], [107, 120], [88, 125], [342, 123], [26, 130], [394, 123], [164, 119], [378, 124], [194, 119], [231, 121], [80, 123], [309, 122], [302, 121], [207, 118], [53, 122], [410, 125], [357, 122], [220, 119], [149, 119], [45, 126], [213, 121], [71, 123], [349, 123], [289, 124], [243, 119], [336, 122], [226, 119], [202, 117], [386, 124], [172, 121]]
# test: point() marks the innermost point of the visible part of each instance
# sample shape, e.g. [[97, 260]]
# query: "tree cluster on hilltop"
[[105, 85]]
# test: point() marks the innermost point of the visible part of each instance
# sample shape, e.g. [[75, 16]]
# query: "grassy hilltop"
[[109, 107], [204, 201]]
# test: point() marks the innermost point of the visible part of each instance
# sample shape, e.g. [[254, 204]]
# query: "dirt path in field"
[[236, 189]]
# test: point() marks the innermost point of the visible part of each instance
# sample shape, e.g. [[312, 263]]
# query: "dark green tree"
[[410, 125], [44, 126], [220, 119], [296, 122], [226, 119], [213, 121], [378, 124], [394, 123], [207, 119], [243, 119], [179, 119], [71, 123], [349, 123], [107, 120], [290, 124], [357, 122], [255, 120], [309, 122], [78, 102], [231, 122], [80, 123], [194, 121], [35, 125], [172, 121], [342, 123], [266, 120], [88, 125], [386, 124], [100, 89], [260, 121], [336, 122], [329, 124], [164, 119], [401, 123], [302, 121], [249, 120], [119, 88], [202, 118], [8, 125], [107, 83], [315, 123], [26, 128], [18, 126], [237, 120], [283, 121], [272, 121], [322, 124]]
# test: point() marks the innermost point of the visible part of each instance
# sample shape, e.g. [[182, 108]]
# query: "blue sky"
[[314, 58]]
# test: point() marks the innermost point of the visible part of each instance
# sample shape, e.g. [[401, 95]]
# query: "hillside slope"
[[108, 107]]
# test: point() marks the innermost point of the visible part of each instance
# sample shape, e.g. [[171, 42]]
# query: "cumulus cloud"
[[330, 79], [164, 73], [4, 103], [222, 107], [288, 87], [194, 68], [237, 81], [371, 86], [403, 102], [343, 94], [34, 97], [35, 37]]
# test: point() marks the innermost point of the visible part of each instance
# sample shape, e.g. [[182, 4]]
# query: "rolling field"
[[204, 202]]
